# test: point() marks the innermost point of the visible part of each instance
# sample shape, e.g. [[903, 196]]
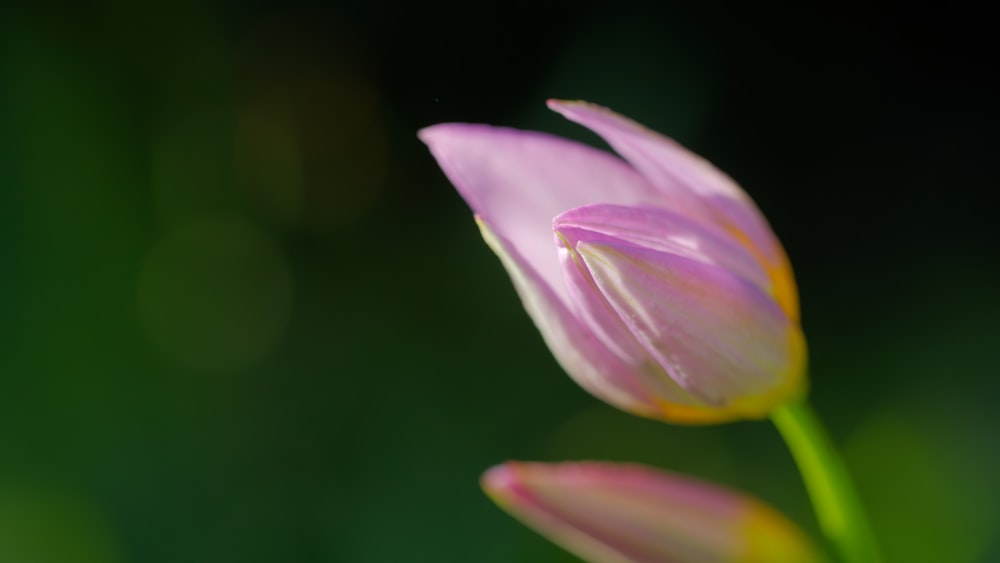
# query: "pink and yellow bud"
[[655, 280], [611, 513]]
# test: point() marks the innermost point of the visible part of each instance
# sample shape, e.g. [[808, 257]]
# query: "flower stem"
[[834, 498]]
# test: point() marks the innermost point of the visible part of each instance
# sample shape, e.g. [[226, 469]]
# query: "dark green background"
[[244, 317]]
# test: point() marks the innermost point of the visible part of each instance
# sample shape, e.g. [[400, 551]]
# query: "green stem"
[[834, 498]]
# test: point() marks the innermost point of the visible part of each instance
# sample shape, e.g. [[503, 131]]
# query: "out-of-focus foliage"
[[243, 317]]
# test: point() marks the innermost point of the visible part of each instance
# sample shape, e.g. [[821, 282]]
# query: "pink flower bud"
[[611, 513], [655, 280]]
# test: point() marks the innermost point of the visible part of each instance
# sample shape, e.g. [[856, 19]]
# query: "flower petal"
[[699, 189], [619, 513], [519, 180], [717, 335], [666, 231], [574, 346], [675, 403]]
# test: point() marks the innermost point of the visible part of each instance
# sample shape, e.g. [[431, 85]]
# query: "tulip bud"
[[655, 280], [616, 513]]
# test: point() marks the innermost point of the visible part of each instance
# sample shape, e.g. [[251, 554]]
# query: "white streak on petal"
[[575, 347]]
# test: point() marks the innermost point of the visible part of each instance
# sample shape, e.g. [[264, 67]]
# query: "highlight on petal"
[[573, 344], [666, 231], [673, 402], [708, 193], [519, 180], [624, 513], [717, 335]]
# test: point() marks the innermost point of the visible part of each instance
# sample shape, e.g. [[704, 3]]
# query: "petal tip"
[[456, 134], [500, 483], [434, 135], [428, 133], [555, 103], [566, 107], [498, 477]]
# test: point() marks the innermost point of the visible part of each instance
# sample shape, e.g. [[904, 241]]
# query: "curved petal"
[[691, 180], [666, 231], [519, 180], [673, 402], [574, 346], [619, 513], [717, 335]]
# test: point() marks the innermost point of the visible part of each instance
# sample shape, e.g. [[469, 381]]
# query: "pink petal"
[[666, 231], [574, 345], [517, 181], [718, 336], [618, 513], [693, 186], [590, 306]]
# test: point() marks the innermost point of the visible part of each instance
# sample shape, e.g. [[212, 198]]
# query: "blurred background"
[[244, 317]]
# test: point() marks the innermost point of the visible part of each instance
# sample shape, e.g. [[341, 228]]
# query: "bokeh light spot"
[[192, 168], [215, 295], [42, 525], [268, 156], [931, 492], [313, 115]]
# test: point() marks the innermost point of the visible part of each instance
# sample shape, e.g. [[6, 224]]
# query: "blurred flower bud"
[[611, 513]]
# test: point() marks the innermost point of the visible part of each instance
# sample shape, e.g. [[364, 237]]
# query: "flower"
[[655, 280], [617, 513]]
